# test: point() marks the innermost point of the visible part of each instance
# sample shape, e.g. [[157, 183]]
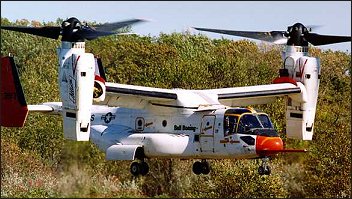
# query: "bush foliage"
[[36, 161]]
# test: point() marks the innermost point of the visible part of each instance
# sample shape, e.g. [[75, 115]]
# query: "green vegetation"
[[36, 161]]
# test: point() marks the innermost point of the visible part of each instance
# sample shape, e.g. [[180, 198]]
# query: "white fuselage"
[[186, 134]]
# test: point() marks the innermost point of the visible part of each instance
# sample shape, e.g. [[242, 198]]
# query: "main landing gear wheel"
[[264, 169], [144, 168], [141, 168], [201, 167]]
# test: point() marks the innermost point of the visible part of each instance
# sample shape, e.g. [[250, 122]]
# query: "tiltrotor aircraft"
[[138, 123]]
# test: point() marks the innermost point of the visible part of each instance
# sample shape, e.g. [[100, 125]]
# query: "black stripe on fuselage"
[[129, 91], [173, 106], [259, 93]]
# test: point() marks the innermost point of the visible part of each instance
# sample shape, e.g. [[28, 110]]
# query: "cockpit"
[[248, 121]]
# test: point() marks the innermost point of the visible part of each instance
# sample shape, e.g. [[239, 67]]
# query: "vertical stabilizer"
[[13, 106]]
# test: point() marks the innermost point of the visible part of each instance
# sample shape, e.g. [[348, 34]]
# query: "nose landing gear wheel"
[[264, 169], [267, 171], [261, 170]]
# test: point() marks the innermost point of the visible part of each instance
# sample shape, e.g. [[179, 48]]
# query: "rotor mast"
[[297, 44]]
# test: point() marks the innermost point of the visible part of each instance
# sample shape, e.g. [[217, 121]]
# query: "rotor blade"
[[272, 36], [52, 32], [90, 34], [96, 34], [117, 25], [105, 29], [317, 39], [313, 27], [281, 41]]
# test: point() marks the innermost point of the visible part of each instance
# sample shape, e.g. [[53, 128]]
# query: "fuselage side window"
[[230, 124]]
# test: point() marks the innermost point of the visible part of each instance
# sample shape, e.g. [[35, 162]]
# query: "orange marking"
[[268, 145]]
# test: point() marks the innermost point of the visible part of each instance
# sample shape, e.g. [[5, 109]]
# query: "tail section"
[[81, 80], [13, 106]]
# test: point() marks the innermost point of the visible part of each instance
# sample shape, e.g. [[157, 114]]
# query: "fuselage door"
[[206, 136]]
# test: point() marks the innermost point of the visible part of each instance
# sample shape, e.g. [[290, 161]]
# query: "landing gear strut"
[[201, 167], [139, 168], [264, 169]]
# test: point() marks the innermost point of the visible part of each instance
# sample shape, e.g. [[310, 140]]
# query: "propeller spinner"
[[72, 30], [296, 35]]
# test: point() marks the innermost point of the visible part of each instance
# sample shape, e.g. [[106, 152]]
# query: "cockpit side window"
[[247, 122], [230, 124], [264, 119]]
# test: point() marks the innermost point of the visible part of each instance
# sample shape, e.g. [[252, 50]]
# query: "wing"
[[130, 96], [250, 95]]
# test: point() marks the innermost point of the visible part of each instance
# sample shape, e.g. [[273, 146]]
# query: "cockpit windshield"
[[264, 119], [248, 123]]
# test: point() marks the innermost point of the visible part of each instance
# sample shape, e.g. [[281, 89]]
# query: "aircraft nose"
[[266, 146]]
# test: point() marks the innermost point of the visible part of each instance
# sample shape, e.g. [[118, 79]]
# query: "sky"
[[332, 17]]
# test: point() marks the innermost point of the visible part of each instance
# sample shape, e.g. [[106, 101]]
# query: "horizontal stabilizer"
[[40, 108], [52, 108]]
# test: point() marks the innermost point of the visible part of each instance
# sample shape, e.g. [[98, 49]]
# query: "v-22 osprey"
[[137, 123]]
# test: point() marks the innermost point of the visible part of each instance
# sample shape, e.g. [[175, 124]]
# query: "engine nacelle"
[[301, 108], [76, 80]]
